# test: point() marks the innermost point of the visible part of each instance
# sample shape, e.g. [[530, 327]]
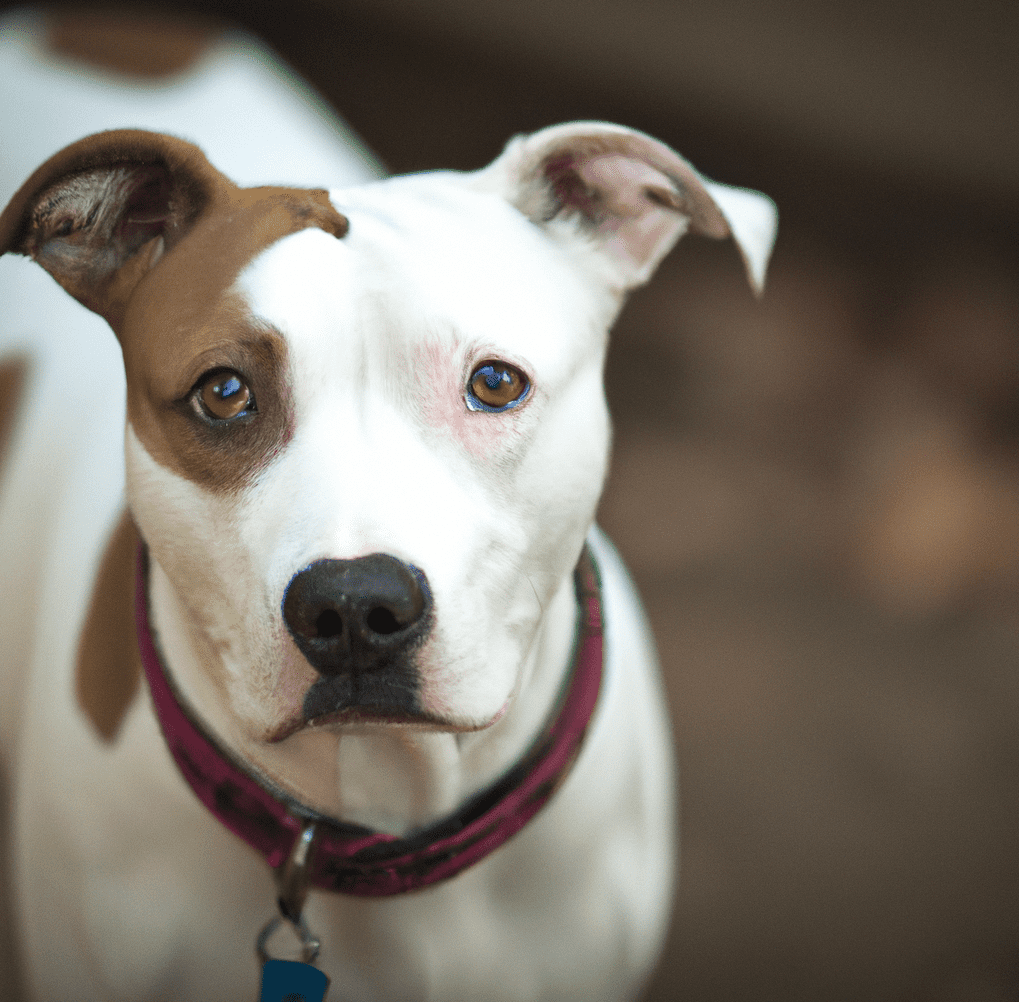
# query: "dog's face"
[[367, 437], [412, 369]]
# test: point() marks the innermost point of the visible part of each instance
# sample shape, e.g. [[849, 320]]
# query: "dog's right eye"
[[225, 395]]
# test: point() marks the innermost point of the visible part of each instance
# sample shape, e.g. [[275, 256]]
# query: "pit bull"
[[354, 650]]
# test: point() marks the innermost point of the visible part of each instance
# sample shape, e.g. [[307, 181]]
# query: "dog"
[[355, 648]]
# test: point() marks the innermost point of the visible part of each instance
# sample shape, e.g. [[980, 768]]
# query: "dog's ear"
[[101, 212], [627, 195]]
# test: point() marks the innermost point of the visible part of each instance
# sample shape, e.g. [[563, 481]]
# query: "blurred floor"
[[817, 495], [827, 547]]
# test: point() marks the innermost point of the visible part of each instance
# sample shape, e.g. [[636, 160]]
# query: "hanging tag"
[[292, 981]]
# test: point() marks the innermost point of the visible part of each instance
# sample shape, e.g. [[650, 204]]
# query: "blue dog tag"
[[292, 981]]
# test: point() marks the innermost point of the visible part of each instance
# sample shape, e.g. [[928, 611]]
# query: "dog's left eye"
[[496, 386], [225, 395]]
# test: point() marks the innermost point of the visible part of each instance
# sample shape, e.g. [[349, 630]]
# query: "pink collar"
[[355, 860]]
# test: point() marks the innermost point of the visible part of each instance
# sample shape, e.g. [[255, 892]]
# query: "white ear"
[[628, 195]]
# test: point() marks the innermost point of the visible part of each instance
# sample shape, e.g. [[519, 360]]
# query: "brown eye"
[[225, 395], [496, 386]]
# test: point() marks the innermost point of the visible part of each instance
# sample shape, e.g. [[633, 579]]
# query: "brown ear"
[[100, 213], [626, 196]]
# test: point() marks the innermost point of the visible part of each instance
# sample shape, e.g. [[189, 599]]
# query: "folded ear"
[[627, 195], [99, 214]]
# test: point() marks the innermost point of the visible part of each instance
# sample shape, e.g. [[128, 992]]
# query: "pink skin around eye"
[[442, 403]]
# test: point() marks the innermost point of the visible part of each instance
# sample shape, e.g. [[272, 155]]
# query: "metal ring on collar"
[[292, 888], [310, 943]]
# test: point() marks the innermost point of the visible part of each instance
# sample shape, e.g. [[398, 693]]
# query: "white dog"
[[388, 657]]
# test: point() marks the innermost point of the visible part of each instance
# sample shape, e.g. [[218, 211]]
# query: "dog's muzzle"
[[357, 616], [348, 858]]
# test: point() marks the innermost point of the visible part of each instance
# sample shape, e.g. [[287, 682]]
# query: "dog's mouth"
[[355, 717], [352, 703]]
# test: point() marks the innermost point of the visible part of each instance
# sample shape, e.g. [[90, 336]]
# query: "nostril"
[[329, 624], [382, 620]]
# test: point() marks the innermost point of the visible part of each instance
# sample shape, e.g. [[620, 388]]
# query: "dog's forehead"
[[179, 307], [424, 255]]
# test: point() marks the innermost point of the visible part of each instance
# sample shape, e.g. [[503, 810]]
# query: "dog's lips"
[[357, 716]]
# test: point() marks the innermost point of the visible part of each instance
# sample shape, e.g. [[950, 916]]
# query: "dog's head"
[[366, 428]]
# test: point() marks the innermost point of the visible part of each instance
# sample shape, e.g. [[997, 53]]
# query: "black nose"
[[356, 615]]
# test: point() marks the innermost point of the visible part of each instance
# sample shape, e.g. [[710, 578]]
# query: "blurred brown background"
[[818, 493]]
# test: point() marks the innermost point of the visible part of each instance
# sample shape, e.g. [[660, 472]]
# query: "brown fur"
[[109, 664], [136, 43], [13, 373], [140, 228], [211, 329]]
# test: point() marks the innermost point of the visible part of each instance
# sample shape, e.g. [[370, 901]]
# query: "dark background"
[[817, 493]]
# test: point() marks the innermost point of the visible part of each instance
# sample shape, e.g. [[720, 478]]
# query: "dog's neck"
[[392, 779]]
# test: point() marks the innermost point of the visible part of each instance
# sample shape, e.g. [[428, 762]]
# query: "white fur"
[[126, 888]]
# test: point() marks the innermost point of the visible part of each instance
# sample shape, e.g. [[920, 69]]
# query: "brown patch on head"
[[143, 230], [109, 663], [99, 214], [186, 322], [217, 454], [13, 372]]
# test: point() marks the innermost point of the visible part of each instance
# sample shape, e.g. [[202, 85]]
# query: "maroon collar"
[[356, 860]]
